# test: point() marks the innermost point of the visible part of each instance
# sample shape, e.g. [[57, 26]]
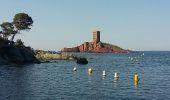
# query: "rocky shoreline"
[[96, 48], [52, 55], [24, 55], [16, 55]]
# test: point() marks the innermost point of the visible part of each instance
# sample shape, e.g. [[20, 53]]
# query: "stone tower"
[[96, 37]]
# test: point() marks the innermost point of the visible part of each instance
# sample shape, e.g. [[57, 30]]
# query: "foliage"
[[114, 47], [7, 29], [22, 21], [19, 43], [48, 55]]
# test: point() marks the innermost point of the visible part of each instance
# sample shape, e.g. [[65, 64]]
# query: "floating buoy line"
[[116, 75]]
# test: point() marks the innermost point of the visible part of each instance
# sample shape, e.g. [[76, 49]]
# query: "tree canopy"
[[21, 21], [7, 29]]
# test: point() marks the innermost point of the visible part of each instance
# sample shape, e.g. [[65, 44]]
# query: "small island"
[[96, 46]]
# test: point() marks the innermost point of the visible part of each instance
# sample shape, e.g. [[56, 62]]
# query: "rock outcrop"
[[52, 55], [82, 61], [16, 55], [96, 48]]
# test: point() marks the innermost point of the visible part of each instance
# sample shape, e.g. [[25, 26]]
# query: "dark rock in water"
[[82, 61]]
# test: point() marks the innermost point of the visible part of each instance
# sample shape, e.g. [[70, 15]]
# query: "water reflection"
[[103, 77], [12, 82], [59, 81], [136, 84], [116, 78], [116, 82], [90, 74]]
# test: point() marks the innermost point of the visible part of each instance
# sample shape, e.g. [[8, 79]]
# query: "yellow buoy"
[[136, 78], [90, 71]]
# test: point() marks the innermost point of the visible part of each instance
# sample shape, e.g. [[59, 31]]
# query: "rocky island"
[[96, 46]]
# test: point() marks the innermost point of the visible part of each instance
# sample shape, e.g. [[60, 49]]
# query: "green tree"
[[21, 21], [7, 30], [19, 43]]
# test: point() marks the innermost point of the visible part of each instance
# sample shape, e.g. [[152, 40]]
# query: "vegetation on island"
[[114, 47], [52, 55], [46, 56], [21, 21], [15, 51]]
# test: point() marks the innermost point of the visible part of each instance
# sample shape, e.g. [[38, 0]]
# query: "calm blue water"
[[55, 81]]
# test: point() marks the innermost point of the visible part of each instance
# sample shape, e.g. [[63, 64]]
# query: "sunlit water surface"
[[55, 81]]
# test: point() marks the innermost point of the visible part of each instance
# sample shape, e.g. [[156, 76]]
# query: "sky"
[[141, 25]]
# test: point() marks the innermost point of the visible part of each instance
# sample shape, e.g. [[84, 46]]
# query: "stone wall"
[[74, 49]]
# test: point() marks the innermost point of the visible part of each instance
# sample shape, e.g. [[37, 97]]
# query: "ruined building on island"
[[96, 37], [96, 46]]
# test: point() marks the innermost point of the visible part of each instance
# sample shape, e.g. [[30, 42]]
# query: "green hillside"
[[114, 47]]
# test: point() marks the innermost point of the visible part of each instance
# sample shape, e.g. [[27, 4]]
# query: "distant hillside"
[[114, 47]]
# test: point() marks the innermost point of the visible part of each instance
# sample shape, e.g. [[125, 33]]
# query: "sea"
[[58, 81]]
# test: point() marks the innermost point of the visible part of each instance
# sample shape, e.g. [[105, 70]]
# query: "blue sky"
[[130, 24]]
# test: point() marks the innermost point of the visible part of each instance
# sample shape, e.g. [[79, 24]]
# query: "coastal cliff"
[[96, 46]]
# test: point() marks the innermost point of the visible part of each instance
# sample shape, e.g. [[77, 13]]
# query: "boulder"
[[82, 61]]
